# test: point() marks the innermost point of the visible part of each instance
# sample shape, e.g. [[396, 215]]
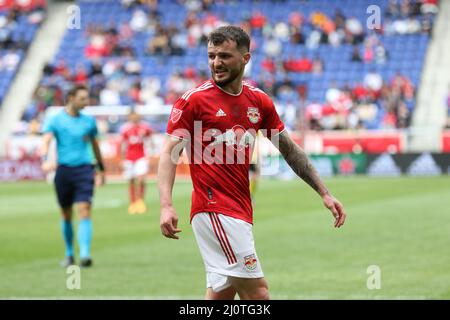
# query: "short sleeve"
[[181, 120], [94, 130], [49, 125], [271, 122]]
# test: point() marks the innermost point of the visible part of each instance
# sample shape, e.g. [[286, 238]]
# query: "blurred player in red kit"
[[134, 134]]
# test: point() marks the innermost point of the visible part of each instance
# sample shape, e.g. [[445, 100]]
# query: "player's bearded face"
[[81, 99], [226, 62]]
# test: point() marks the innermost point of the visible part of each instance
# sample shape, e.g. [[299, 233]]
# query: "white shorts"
[[133, 169], [227, 247]]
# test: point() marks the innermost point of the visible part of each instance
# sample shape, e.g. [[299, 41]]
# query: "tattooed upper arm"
[[288, 148], [285, 143]]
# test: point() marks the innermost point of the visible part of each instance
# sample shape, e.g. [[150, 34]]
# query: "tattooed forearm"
[[299, 162]]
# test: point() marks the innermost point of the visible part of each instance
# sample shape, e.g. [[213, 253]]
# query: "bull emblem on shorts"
[[250, 262], [253, 114]]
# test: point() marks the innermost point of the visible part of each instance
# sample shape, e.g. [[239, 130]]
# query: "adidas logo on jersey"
[[220, 113]]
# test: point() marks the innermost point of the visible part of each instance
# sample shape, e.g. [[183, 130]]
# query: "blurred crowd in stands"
[[17, 27], [374, 102]]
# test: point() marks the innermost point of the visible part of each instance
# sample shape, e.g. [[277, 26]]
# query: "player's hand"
[[336, 208], [100, 178], [169, 222], [47, 166]]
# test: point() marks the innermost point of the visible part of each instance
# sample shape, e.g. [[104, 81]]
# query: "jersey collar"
[[231, 94]]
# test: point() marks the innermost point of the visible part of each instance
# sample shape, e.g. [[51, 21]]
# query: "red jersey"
[[221, 129], [134, 135]]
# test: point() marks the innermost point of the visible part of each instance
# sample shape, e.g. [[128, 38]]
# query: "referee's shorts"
[[74, 184]]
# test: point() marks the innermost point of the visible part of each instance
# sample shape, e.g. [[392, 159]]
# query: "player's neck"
[[234, 88], [72, 111]]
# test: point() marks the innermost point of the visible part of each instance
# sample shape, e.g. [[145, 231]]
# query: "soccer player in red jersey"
[[134, 133], [217, 122]]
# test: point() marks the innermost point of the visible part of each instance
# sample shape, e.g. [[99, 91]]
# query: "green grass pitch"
[[401, 225]]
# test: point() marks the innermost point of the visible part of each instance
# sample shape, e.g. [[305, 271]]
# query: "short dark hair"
[[234, 33], [74, 90]]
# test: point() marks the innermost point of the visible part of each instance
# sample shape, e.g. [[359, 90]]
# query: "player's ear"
[[246, 56]]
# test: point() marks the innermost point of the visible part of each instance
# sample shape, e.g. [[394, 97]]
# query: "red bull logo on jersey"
[[236, 137], [250, 262], [253, 114], [213, 146]]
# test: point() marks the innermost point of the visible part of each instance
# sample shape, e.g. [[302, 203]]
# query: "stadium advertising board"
[[382, 165], [22, 162], [326, 164], [413, 164], [13, 170]]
